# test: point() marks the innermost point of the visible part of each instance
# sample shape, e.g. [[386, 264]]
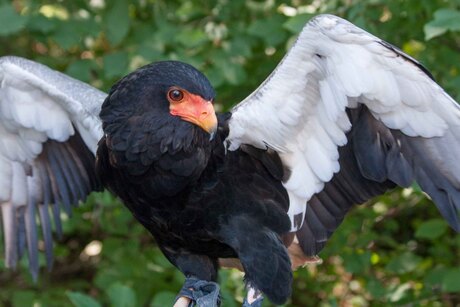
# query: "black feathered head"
[[161, 115], [161, 87]]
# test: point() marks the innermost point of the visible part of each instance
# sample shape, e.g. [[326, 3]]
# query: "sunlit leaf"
[[444, 20], [399, 293]]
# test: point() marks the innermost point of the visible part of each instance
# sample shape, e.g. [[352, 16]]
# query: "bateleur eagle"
[[344, 117]]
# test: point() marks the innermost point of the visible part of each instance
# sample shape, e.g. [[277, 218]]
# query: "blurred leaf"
[[66, 35], [399, 293], [11, 21], [191, 37], [149, 53], [23, 298], [416, 187], [117, 21], [435, 277], [451, 280], [357, 262], [82, 300], [188, 10], [239, 47], [215, 76], [42, 24], [81, 69], [269, 30], [296, 23], [431, 229], [163, 299], [115, 64], [376, 288], [433, 31], [121, 296], [234, 73], [164, 34], [444, 20], [403, 263]]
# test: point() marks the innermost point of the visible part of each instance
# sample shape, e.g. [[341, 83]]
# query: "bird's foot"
[[254, 298], [196, 292], [256, 303], [298, 257]]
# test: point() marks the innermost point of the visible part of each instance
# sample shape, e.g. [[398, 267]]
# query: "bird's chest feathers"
[[161, 158]]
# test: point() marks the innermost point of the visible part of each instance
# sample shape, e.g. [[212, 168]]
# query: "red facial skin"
[[192, 108]]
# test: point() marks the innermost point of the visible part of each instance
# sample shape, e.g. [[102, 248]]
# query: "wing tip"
[[328, 21], [16, 60]]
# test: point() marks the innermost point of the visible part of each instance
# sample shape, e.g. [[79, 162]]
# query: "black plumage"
[[199, 202], [202, 202], [345, 115]]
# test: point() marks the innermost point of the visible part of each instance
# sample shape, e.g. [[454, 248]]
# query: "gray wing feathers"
[[351, 116], [58, 84], [49, 128], [436, 170], [375, 160], [327, 209]]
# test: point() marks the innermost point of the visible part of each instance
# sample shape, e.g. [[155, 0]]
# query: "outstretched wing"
[[49, 129], [351, 116]]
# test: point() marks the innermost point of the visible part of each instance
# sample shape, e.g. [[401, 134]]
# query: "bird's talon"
[[256, 303], [199, 293], [254, 298]]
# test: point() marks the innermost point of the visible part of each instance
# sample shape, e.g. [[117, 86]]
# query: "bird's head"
[[168, 88]]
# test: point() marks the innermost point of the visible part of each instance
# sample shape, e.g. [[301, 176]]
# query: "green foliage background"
[[393, 250]]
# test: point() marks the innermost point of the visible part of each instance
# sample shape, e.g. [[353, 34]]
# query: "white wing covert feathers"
[[345, 106], [49, 129]]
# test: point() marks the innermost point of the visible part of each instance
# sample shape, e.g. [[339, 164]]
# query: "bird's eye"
[[175, 95]]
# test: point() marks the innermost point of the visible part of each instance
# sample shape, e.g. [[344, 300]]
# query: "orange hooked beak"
[[193, 108]]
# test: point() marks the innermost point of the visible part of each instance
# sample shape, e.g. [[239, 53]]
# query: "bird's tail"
[[264, 258]]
